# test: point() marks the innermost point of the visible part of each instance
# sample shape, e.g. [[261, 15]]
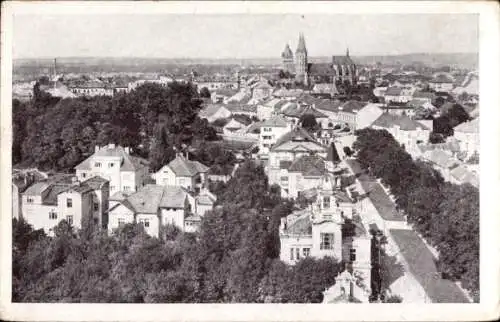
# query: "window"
[[96, 206], [121, 222], [306, 252], [112, 188], [144, 222], [84, 175], [266, 137], [69, 203], [52, 215], [267, 129], [126, 188], [326, 202], [284, 179], [69, 219], [97, 164], [352, 255], [291, 254], [297, 253], [111, 164], [326, 241], [30, 200]]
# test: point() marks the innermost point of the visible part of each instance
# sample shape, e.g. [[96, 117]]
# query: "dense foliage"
[[447, 215], [233, 258], [56, 134]]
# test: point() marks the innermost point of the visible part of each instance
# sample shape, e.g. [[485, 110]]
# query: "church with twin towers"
[[340, 69]]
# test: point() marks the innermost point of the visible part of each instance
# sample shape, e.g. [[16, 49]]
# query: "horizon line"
[[241, 58]]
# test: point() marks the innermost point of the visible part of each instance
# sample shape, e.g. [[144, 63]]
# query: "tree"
[[347, 151], [204, 92], [308, 122]]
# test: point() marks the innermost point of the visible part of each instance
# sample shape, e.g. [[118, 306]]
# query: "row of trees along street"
[[445, 214]]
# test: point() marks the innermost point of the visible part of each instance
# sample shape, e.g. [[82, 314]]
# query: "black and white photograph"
[[264, 156]]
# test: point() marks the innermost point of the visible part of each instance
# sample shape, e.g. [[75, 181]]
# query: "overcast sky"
[[240, 36]]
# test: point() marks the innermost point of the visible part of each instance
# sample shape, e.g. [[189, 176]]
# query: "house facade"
[[182, 172], [467, 135], [270, 131], [406, 131], [329, 227], [124, 171], [153, 206], [46, 203]]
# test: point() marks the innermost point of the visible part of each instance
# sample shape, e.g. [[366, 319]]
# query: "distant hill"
[[116, 64]]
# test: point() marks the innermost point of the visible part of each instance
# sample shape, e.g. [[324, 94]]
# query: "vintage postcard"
[[260, 161]]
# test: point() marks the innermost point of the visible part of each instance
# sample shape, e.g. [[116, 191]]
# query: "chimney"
[[96, 149]]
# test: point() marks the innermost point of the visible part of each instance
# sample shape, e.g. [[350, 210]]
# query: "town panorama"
[[346, 179]]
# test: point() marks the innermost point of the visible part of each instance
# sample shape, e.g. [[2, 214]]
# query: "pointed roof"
[[186, 168], [128, 162], [276, 121], [405, 123], [333, 154], [297, 139], [152, 197], [301, 47], [309, 166], [287, 53]]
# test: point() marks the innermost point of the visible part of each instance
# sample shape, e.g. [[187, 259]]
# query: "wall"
[[154, 225], [37, 215], [165, 176], [172, 216], [327, 227], [287, 242], [120, 212]]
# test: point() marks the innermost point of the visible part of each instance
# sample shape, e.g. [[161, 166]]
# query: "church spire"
[[301, 47], [347, 52]]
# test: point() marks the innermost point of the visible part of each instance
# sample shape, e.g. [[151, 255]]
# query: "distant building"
[[468, 136], [215, 112], [270, 131], [442, 83], [342, 69], [406, 131], [287, 60], [125, 172]]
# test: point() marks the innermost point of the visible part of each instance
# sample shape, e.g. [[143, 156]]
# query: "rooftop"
[[308, 165], [186, 168], [422, 265], [405, 123], [384, 205]]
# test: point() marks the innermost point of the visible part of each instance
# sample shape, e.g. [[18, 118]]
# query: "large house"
[[183, 172], [406, 131], [270, 131], [46, 203], [154, 206], [124, 171], [347, 112], [290, 147], [214, 112], [304, 173], [330, 227], [468, 136], [442, 83]]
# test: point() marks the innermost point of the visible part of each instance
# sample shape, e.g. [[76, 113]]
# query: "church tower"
[[301, 61], [287, 60]]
